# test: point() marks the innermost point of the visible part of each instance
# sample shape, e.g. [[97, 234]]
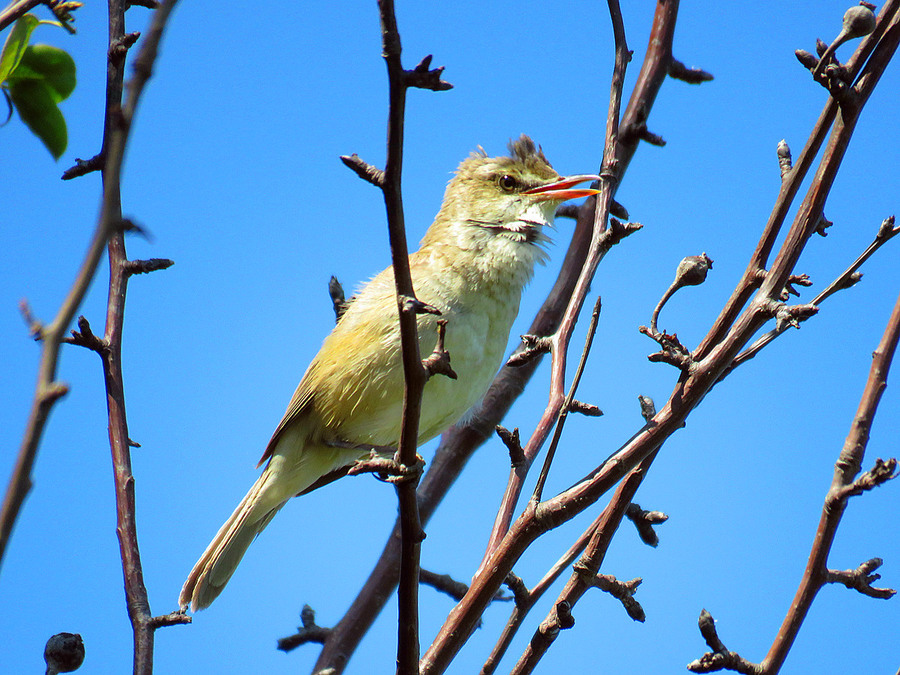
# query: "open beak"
[[563, 189]]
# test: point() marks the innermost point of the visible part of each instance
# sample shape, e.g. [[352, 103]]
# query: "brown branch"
[[415, 371], [594, 542], [16, 11], [790, 186], [846, 279], [458, 444], [48, 391], [861, 579], [689, 391], [117, 126], [465, 616], [83, 167], [566, 407], [846, 483]]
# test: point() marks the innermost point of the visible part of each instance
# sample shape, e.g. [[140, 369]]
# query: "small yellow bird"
[[472, 265]]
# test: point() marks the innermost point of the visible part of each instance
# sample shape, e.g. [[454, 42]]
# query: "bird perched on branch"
[[472, 265]]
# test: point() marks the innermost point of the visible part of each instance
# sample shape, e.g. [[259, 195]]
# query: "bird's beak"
[[563, 189]]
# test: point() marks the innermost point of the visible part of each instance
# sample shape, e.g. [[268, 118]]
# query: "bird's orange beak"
[[563, 189]]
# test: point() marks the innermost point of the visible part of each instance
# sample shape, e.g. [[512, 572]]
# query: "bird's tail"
[[222, 556]]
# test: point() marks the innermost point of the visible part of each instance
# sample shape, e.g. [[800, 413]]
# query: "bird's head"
[[507, 198]]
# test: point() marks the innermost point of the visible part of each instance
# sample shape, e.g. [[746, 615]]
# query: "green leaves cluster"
[[34, 79]]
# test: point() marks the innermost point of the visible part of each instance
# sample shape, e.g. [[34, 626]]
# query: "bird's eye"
[[508, 183]]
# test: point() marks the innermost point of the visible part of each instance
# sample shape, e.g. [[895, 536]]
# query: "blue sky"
[[233, 167]]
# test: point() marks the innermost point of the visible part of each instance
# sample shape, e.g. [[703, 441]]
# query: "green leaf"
[[15, 44], [36, 102], [50, 64]]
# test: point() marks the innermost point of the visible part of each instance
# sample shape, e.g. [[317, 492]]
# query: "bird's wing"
[[300, 403]]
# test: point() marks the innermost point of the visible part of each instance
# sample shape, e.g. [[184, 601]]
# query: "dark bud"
[[64, 653]]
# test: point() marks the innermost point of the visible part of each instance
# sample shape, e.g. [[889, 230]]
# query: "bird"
[[472, 266]]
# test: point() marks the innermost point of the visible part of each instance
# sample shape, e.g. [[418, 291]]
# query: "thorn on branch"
[[133, 267], [513, 444], [587, 409], [720, 658], [149, 4], [133, 444], [861, 579], [63, 653], [533, 346], [338, 302], [84, 337], [309, 631], [83, 167], [678, 71], [785, 162], [644, 522], [438, 363], [364, 170], [425, 77]]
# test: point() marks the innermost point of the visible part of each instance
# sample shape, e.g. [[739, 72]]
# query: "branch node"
[[308, 631], [364, 170], [133, 267], [84, 166], [587, 409], [678, 71], [785, 162], [521, 594], [514, 445], [84, 337], [177, 618], [644, 521], [338, 302], [425, 77], [438, 362], [532, 347], [720, 658], [861, 579]]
